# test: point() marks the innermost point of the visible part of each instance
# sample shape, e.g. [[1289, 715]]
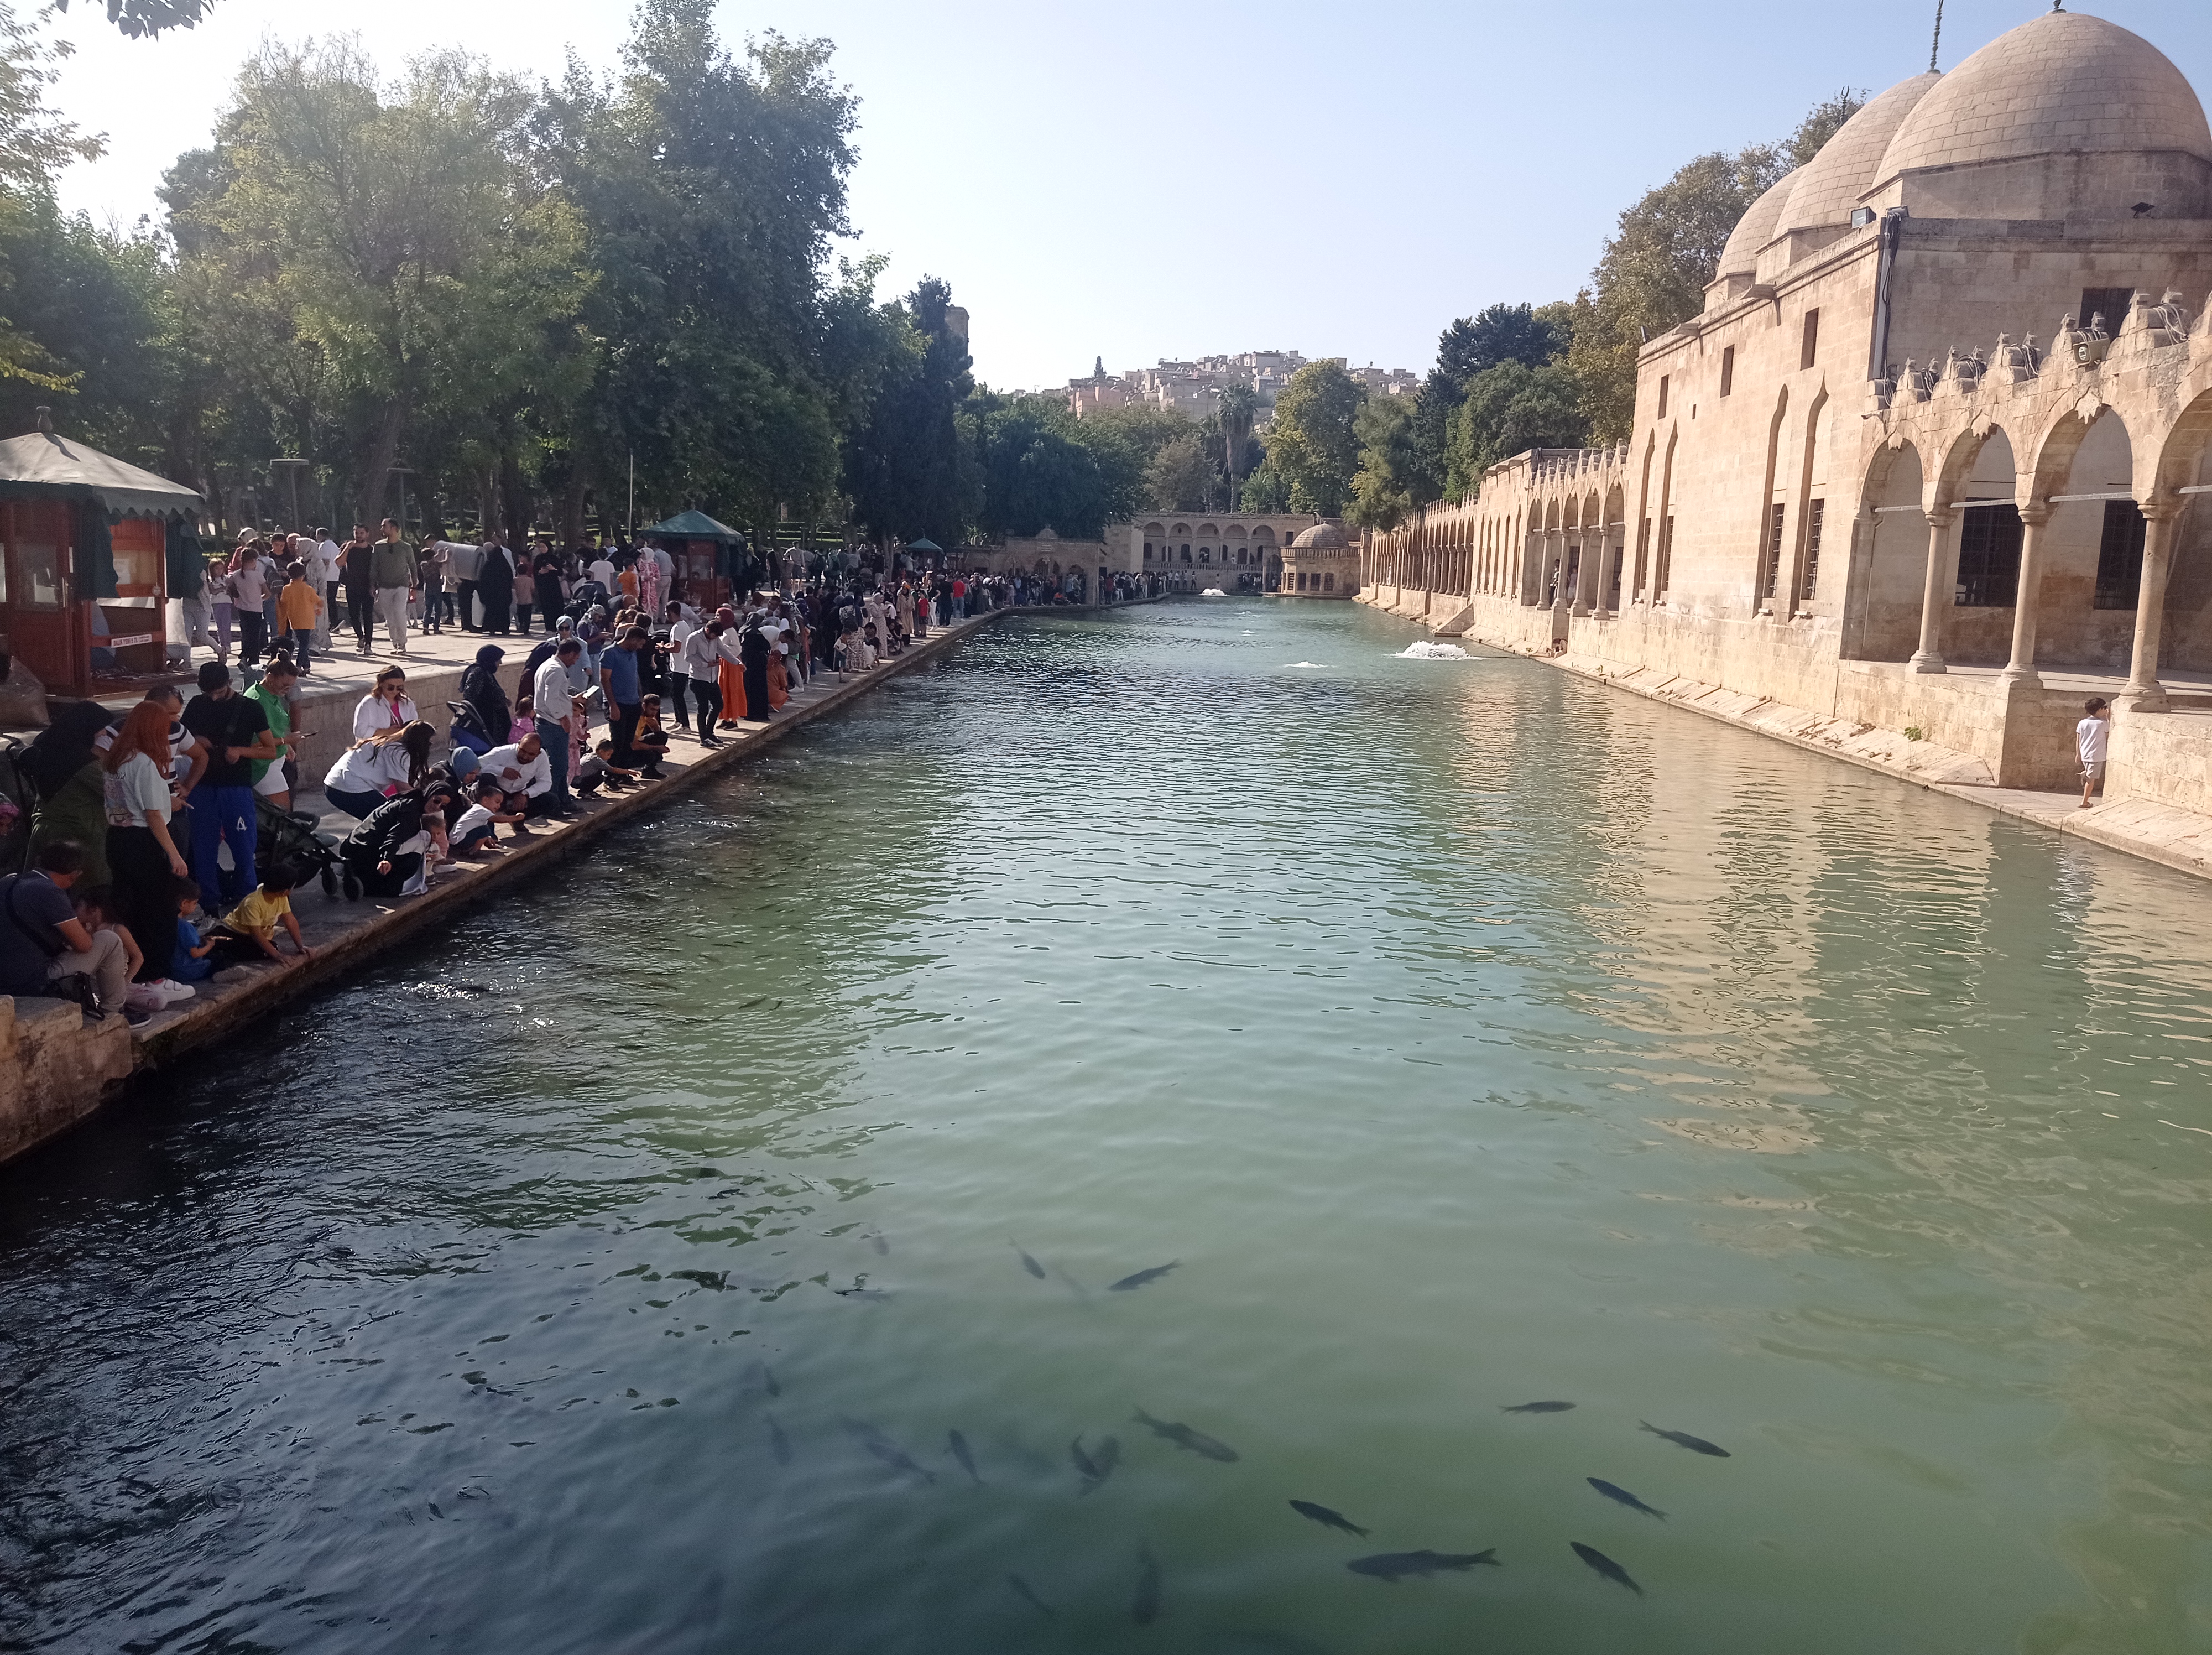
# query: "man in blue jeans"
[[553, 694], [620, 679], [235, 732]]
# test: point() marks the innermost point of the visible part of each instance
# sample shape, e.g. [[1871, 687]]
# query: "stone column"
[[1937, 598], [2027, 601], [2144, 693], [1601, 587], [1581, 598]]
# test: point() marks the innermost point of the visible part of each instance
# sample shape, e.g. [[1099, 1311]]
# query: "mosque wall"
[[1854, 487]]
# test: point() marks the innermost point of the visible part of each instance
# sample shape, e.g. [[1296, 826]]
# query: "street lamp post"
[[403, 473], [290, 474]]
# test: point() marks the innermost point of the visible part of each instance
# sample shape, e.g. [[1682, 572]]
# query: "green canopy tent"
[[704, 550], [92, 546]]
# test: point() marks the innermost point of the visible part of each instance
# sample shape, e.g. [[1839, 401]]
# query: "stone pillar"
[[1581, 598], [1602, 587], [1938, 597], [2027, 601], [2144, 693]]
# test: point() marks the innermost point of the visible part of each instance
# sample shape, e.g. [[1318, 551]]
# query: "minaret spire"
[[1936, 44]]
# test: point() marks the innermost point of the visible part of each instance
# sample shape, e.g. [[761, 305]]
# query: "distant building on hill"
[[1193, 389]]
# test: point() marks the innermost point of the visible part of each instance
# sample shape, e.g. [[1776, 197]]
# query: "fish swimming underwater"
[[1537, 1407], [1614, 1492], [1144, 1604], [1604, 1566], [1029, 1595], [1326, 1518], [1684, 1439], [1183, 1437], [958, 1445], [1394, 1567], [1102, 1463], [1131, 1283], [1029, 1264]]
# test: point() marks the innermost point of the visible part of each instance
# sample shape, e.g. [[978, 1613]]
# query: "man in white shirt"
[[681, 623], [552, 695], [323, 571], [601, 568], [526, 766]]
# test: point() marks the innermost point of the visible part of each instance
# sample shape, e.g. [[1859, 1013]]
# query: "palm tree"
[[1239, 407]]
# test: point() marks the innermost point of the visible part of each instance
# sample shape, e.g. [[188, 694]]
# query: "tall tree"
[[35, 143], [906, 468], [1311, 445], [1653, 270], [1240, 410], [1389, 483], [395, 240], [711, 189], [1509, 409], [137, 17]]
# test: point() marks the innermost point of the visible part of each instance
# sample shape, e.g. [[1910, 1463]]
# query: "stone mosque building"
[[1933, 457]]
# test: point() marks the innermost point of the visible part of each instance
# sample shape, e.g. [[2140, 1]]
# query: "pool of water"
[[611, 1274]]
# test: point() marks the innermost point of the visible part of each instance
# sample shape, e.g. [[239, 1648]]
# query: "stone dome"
[[1850, 164], [1760, 225], [2065, 81], [1321, 536]]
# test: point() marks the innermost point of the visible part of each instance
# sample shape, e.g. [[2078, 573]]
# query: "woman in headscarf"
[[72, 786], [481, 693], [385, 853]]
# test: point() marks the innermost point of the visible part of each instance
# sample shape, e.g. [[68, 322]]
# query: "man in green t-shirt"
[[274, 697]]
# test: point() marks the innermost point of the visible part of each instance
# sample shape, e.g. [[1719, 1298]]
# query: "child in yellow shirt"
[[249, 930], [297, 605]]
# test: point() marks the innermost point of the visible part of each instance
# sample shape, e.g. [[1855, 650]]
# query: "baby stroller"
[[587, 594], [468, 730], [293, 836]]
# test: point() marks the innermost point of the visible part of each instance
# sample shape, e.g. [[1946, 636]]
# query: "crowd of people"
[[151, 828]]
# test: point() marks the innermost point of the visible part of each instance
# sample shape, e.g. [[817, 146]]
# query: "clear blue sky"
[[1158, 180]]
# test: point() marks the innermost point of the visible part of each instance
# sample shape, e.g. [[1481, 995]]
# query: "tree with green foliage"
[[1509, 409], [35, 144], [1473, 344], [1653, 271], [1184, 475], [711, 189], [395, 245], [143, 18], [1238, 413], [908, 472], [1041, 468], [1311, 445], [1389, 483], [1264, 491]]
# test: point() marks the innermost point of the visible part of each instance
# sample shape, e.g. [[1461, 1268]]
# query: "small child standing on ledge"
[[2092, 736]]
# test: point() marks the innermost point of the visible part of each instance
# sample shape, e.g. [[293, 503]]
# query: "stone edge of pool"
[[64, 1070], [2166, 834]]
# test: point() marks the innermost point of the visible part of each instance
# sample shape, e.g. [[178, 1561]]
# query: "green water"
[[1467, 1034]]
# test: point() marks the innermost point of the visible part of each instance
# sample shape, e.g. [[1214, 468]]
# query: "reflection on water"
[[1465, 1037]]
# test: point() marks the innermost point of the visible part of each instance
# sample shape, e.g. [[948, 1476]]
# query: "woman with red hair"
[[141, 858]]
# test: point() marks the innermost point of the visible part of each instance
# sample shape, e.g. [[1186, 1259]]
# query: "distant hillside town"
[[1193, 389]]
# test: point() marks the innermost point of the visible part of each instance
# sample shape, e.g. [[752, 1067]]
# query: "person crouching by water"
[[248, 932], [387, 852], [649, 744], [525, 772], [369, 772]]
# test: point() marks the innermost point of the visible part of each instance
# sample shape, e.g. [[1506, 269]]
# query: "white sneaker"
[[173, 989], [144, 997]]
